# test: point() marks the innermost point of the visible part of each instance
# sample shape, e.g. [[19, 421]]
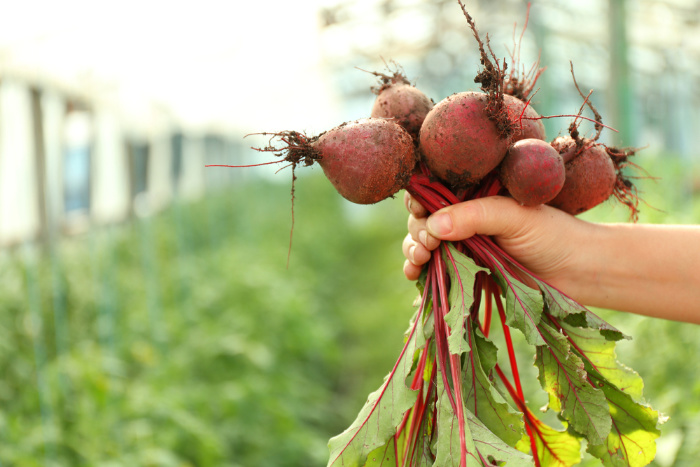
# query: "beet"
[[566, 147], [460, 143], [367, 160], [532, 171], [528, 124], [404, 103], [590, 178]]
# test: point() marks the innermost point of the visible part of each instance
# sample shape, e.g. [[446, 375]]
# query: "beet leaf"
[[483, 399], [556, 448], [448, 446], [524, 305], [631, 441], [462, 271], [634, 424], [377, 421], [563, 376], [562, 306]]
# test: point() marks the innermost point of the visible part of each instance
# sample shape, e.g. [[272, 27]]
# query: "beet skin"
[[367, 160], [590, 180], [406, 104], [460, 143], [533, 172]]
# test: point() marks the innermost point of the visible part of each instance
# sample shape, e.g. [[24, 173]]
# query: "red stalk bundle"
[[453, 409]]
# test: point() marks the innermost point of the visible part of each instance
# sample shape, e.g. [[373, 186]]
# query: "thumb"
[[492, 215]]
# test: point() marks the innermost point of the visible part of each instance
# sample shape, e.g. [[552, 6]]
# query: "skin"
[[652, 270]]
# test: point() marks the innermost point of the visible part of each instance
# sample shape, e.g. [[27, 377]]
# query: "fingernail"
[[423, 236], [439, 224], [411, 251]]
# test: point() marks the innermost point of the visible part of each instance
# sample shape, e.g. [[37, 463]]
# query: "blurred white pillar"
[[54, 111], [110, 183], [19, 213], [192, 176]]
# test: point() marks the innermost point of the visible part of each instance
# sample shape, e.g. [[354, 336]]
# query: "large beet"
[[367, 160], [460, 143]]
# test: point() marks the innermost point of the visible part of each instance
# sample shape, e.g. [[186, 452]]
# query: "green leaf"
[[555, 448], [383, 456], [447, 446], [634, 424], [524, 305], [481, 443], [462, 271], [600, 355], [563, 376], [381, 414], [492, 447], [482, 397], [562, 306], [631, 441]]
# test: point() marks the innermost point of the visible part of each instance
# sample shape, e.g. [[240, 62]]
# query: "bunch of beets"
[[447, 401]]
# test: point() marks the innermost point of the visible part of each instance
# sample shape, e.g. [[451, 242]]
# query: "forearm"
[[651, 270]]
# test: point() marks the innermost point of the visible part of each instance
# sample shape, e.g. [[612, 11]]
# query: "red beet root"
[[533, 172], [404, 103], [367, 160], [528, 123], [590, 179], [566, 147], [460, 142]]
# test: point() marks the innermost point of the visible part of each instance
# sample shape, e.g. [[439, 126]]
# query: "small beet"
[[590, 179], [404, 103], [532, 171], [367, 160], [528, 124]]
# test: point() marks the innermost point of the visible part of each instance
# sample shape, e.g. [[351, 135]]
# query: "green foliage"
[[184, 339]]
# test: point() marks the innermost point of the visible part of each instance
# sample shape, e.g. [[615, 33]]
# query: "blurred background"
[[147, 313]]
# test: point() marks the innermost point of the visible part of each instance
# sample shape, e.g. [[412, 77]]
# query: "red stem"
[[488, 305], [455, 362], [250, 165], [530, 420], [509, 346]]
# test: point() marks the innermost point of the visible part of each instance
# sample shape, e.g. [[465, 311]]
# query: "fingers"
[[493, 215], [417, 230], [415, 251], [411, 271], [413, 206]]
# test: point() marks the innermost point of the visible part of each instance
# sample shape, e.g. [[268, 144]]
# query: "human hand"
[[543, 239]]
